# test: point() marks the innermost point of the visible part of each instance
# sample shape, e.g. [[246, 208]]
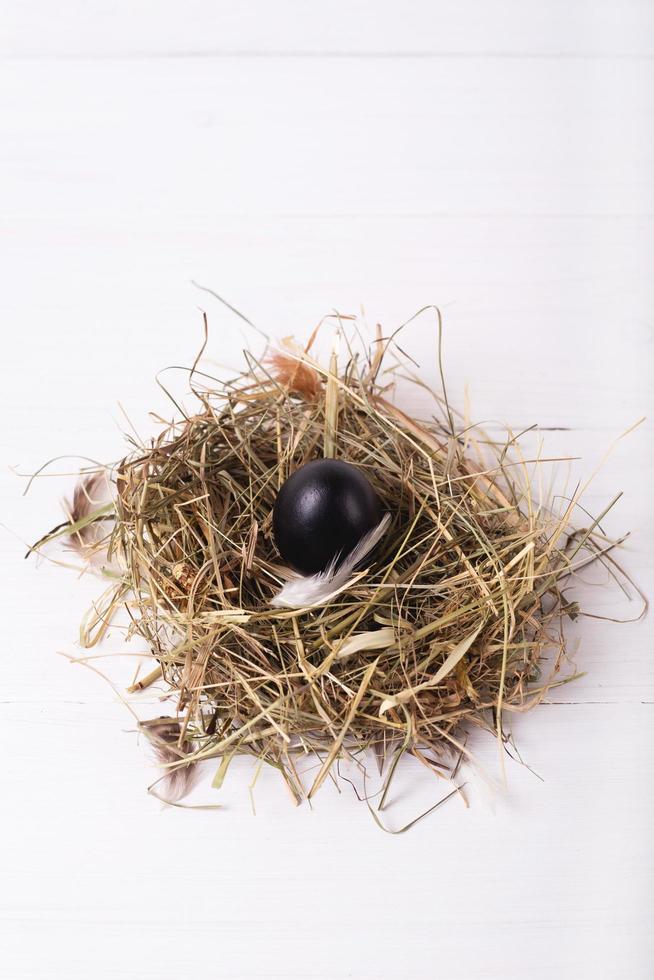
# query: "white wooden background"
[[496, 158]]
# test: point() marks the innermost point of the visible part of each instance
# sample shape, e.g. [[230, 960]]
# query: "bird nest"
[[455, 622]]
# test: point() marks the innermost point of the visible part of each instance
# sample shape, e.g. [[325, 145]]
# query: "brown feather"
[[295, 374], [90, 494], [164, 736]]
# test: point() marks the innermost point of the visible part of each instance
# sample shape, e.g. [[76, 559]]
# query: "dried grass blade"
[[335, 749]]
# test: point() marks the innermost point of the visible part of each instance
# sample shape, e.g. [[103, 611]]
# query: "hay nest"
[[449, 627]]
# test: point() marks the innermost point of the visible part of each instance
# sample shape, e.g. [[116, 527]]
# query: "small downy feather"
[[90, 498], [315, 590], [176, 782]]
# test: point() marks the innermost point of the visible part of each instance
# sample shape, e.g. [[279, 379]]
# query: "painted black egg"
[[322, 511]]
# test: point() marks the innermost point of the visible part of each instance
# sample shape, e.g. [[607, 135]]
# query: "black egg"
[[322, 511]]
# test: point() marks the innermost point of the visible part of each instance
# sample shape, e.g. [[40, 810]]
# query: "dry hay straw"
[[449, 628]]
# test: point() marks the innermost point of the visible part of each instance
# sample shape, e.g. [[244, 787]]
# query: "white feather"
[[316, 590]]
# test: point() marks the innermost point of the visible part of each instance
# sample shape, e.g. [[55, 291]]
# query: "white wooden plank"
[[128, 180], [555, 876], [450, 27], [425, 138]]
